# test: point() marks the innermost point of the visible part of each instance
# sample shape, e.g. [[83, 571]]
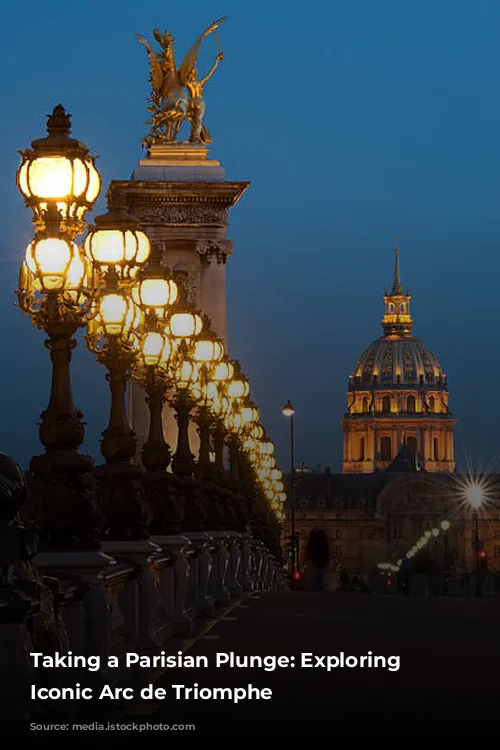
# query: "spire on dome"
[[397, 319], [397, 287]]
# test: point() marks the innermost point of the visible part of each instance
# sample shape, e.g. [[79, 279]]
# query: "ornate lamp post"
[[207, 353], [289, 411], [117, 249], [59, 182], [184, 325], [155, 293], [445, 525], [475, 497]]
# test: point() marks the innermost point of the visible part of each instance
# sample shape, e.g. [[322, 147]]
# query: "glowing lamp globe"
[[251, 414], [55, 264], [256, 431], [208, 350], [238, 388], [445, 525], [154, 291], [266, 447], [118, 314], [222, 371], [288, 410], [250, 445], [185, 374], [185, 325], [58, 171], [475, 496], [116, 240], [155, 349]]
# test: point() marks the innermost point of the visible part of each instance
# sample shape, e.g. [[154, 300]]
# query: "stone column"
[[182, 200]]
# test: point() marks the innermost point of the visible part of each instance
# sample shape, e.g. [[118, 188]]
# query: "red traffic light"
[[483, 554], [297, 575]]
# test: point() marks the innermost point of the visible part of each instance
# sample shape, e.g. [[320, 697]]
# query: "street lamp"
[[445, 525], [117, 248], [59, 182], [289, 411], [475, 498]]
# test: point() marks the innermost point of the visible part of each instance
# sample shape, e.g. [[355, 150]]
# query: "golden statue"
[[176, 94]]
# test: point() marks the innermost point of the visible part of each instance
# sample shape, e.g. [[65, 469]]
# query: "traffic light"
[[297, 575], [289, 547], [483, 559]]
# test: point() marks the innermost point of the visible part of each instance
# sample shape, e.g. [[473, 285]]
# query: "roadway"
[[447, 647]]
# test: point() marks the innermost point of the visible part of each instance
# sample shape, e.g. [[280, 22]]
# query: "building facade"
[[398, 476], [398, 394]]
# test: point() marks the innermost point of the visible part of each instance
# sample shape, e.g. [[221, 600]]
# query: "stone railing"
[[130, 596]]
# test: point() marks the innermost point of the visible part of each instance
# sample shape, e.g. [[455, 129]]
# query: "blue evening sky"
[[355, 122]]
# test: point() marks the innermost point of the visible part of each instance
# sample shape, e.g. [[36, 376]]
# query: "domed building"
[[398, 397], [398, 480]]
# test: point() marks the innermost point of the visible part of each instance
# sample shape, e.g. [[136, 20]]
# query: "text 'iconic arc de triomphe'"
[[182, 199]]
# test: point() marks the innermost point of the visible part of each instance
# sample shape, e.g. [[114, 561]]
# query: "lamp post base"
[[165, 507], [66, 508], [121, 495]]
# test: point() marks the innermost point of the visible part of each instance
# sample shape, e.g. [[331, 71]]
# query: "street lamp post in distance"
[[289, 411], [475, 498]]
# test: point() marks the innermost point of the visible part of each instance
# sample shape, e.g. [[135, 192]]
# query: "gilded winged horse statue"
[[177, 93]]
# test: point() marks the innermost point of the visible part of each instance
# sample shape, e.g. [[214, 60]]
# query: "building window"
[[338, 551], [385, 449], [436, 449], [366, 407], [391, 308], [386, 403], [402, 308], [496, 551], [432, 404], [338, 534], [410, 404], [496, 535], [362, 449], [411, 444]]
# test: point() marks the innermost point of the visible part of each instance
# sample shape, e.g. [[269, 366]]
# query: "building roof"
[[397, 358]]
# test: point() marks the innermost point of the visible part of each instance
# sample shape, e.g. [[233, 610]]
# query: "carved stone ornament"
[[188, 281], [211, 250], [184, 215]]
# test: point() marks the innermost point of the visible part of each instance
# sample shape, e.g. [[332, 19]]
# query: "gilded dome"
[[397, 357], [399, 360]]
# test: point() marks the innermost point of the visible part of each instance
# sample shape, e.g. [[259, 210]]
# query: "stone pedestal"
[[182, 199]]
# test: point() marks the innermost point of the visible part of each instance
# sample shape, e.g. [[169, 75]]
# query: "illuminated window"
[[386, 403], [432, 404], [410, 404], [365, 404]]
